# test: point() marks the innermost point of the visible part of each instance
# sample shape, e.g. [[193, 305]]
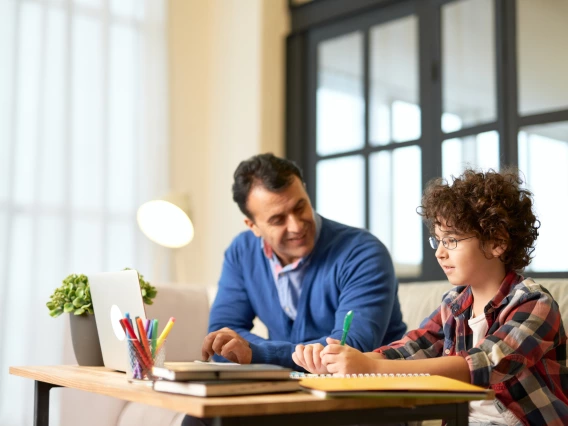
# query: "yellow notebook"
[[403, 386]]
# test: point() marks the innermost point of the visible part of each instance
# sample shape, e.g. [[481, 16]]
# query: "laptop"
[[114, 294]]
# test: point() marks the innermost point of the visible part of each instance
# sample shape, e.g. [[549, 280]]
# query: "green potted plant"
[[74, 297]]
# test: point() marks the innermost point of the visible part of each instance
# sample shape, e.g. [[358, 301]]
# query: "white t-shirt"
[[482, 411]]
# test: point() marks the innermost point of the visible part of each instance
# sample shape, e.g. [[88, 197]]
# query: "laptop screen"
[[114, 294]]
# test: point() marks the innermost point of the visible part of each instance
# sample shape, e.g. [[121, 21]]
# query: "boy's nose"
[[441, 251]]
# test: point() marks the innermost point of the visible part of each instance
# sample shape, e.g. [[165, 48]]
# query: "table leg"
[[461, 415], [41, 403]]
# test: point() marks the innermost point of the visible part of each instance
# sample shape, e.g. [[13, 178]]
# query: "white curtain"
[[83, 142]]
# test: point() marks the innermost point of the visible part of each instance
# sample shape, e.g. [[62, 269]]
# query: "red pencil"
[[143, 337], [141, 352]]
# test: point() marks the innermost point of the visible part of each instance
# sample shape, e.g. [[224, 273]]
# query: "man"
[[299, 273]]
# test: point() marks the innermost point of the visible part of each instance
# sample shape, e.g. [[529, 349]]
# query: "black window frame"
[[318, 20]]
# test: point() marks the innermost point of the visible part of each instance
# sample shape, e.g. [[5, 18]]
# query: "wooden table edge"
[[254, 405]]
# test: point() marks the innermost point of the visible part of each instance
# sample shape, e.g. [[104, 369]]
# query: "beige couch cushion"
[[419, 300]]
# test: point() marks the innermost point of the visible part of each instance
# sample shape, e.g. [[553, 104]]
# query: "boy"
[[495, 329]]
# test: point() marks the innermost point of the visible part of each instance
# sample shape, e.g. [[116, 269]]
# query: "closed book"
[[227, 387], [184, 371], [388, 386]]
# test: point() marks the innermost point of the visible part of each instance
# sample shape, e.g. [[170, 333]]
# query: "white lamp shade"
[[165, 223]]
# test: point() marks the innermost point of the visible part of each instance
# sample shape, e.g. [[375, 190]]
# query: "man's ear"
[[250, 225]]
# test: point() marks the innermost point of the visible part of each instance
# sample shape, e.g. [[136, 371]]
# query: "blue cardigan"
[[350, 269]]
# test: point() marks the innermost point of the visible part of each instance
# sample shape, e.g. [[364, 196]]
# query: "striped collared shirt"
[[288, 279]]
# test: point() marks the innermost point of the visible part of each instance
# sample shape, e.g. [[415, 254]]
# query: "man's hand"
[[228, 344], [308, 357], [347, 360]]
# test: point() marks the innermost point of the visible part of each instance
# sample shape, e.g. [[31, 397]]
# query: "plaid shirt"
[[522, 357]]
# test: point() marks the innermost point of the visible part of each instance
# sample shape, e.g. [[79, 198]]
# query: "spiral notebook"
[[400, 385]]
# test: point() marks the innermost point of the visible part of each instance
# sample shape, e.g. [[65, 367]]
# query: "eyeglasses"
[[449, 243]]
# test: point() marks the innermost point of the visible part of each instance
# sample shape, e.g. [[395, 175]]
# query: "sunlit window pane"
[[3, 249], [394, 82], [27, 108], [468, 60], [341, 190], [120, 253], [405, 121], [543, 156], [51, 239], [89, 3], [340, 105], [451, 122], [52, 168], [87, 137], [542, 55], [7, 75], [126, 8], [479, 151], [395, 194], [19, 278], [122, 88], [85, 231]]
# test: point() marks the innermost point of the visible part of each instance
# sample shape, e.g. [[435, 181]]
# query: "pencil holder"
[[141, 359]]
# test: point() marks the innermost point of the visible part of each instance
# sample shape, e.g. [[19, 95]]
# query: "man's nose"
[[294, 224]]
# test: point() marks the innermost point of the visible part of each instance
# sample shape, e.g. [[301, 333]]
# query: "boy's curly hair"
[[490, 205]]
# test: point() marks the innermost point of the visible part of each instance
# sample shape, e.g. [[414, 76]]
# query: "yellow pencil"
[[165, 333]]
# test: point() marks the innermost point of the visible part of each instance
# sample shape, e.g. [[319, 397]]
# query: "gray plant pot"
[[85, 340]]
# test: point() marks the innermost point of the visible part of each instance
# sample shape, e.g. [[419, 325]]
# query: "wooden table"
[[276, 409]]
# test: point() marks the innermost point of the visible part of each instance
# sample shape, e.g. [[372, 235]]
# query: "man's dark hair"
[[273, 173]]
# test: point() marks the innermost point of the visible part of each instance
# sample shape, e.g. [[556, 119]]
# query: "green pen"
[[154, 336], [346, 326]]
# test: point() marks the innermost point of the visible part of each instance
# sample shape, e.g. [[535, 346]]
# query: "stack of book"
[[218, 379]]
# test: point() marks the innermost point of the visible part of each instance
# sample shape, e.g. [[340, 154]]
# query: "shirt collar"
[[269, 253], [511, 279], [465, 298]]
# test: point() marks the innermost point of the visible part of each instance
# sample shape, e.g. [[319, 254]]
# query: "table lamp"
[[166, 220]]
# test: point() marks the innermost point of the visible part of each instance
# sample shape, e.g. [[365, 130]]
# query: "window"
[[385, 96], [82, 144]]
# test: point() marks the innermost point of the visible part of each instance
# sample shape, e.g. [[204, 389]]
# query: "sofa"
[[190, 306]]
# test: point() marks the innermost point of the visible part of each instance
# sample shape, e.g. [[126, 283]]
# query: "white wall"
[[226, 104]]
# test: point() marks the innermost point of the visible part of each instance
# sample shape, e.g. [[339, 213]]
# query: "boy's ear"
[[499, 246], [250, 224]]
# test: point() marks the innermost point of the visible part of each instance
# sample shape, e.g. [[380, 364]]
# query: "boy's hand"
[[308, 357], [346, 360]]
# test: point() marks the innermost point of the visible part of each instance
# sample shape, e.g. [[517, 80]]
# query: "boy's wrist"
[[374, 355]]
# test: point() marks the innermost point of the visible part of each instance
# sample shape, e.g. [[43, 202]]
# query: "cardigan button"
[[447, 351]]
